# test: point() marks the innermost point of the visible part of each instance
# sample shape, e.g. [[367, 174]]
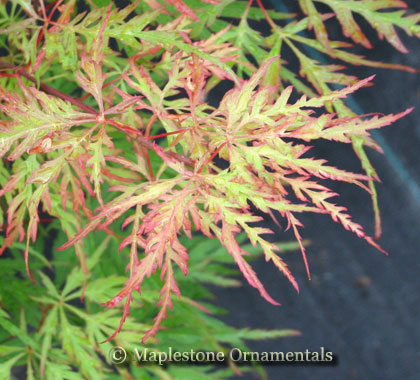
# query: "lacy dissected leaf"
[[36, 122], [383, 22], [315, 21], [270, 123], [97, 160], [25, 202], [261, 138], [321, 82], [381, 15], [183, 8]]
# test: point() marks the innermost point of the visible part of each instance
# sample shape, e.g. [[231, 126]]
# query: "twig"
[[127, 129]]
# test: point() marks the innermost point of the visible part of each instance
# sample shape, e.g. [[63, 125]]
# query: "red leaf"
[[228, 240]]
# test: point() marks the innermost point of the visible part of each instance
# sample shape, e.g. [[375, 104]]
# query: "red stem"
[[266, 15], [212, 156], [149, 165], [125, 128], [150, 124], [165, 134], [47, 21]]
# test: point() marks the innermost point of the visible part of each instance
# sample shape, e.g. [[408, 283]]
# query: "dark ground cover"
[[359, 304]]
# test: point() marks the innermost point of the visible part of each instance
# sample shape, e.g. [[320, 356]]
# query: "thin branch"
[[44, 87], [148, 144], [127, 129]]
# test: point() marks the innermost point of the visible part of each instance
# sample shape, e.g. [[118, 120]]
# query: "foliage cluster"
[[107, 124]]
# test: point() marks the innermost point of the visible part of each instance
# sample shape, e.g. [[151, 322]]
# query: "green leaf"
[[6, 367], [13, 330], [51, 289]]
